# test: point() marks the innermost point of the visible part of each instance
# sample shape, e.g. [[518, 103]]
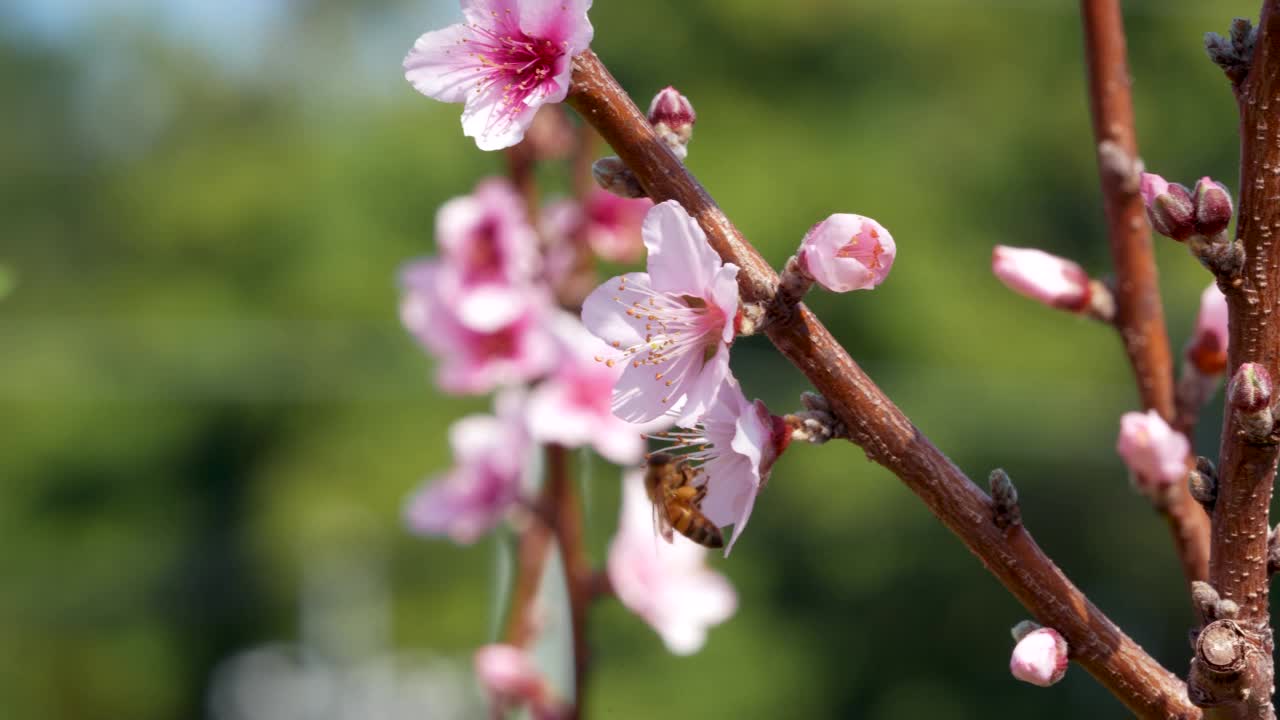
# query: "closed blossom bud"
[[1250, 396], [847, 252], [1207, 350], [672, 117], [1046, 278], [1213, 207], [1169, 207], [613, 175], [1153, 452], [1040, 657]]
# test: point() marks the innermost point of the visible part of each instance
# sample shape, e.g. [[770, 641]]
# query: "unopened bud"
[[1046, 278], [672, 117], [1004, 498], [1213, 207], [1203, 483], [1155, 453], [1207, 350], [1169, 207], [1040, 657], [847, 252], [613, 175], [1250, 396]]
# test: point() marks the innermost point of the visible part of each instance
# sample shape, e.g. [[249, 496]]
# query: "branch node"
[[1120, 164], [816, 424], [793, 284], [1006, 512]]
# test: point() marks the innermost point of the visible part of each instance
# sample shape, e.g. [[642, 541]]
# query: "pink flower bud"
[[511, 680], [1046, 278], [1212, 206], [1040, 657], [1250, 389], [1207, 350], [1169, 207], [847, 252], [673, 112], [1153, 452]]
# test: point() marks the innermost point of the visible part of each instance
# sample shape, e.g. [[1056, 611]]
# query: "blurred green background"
[[211, 415]]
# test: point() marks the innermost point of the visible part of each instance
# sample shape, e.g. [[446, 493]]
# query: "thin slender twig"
[[1139, 316], [880, 428]]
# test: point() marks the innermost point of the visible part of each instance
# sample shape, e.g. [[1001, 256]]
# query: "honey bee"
[[677, 502]]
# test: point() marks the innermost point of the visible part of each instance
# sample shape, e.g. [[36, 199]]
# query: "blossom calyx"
[[672, 117], [1169, 207], [1040, 657], [1213, 207], [847, 252], [1250, 397]]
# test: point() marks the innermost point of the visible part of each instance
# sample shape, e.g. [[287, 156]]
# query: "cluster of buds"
[[1053, 281], [672, 117], [1199, 218], [1040, 656], [1249, 395]]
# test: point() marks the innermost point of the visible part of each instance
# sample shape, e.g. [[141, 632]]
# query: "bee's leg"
[[698, 496]]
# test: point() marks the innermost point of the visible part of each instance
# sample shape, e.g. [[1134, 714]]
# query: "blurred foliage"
[[206, 389]]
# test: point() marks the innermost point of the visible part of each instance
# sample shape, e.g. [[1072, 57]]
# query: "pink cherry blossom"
[[1207, 350], [489, 255], [573, 406], [1040, 657], [507, 60], [847, 252], [735, 445], [489, 455], [669, 586], [1042, 277], [474, 361], [510, 677], [672, 325], [610, 225], [1153, 451]]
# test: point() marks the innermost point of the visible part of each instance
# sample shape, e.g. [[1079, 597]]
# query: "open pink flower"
[[489, 455], [1042, 277], [1207, 350], [489, 255], [672, 325], [735, 444], [610, 225], [1153, 451], [669, 586], [474, 361], [1040, 657], [572, 407], [507, 60], [847, 252]]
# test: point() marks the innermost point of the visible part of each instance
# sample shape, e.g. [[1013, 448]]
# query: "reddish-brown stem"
[[1139, 316], [879, 427], [1246, 468]]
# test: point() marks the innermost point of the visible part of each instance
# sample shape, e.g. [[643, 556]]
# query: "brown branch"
[[879, 427], [1139, 316], [1246, 468]]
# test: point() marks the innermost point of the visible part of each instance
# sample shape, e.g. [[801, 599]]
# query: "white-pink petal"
[[680, 259]]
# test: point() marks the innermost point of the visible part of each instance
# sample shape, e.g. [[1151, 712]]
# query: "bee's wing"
[[661, 525]]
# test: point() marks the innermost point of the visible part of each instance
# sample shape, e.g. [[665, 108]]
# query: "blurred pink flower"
[[735, 444], [847, 252], [507, 60], [1040, 657], [672, 326], [572, 406], [488, 255], [610, 225], [1153, 452], [489, 455], [510, 678], [1207, 349], [473, 361], [1042, 277], [669, 586]]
